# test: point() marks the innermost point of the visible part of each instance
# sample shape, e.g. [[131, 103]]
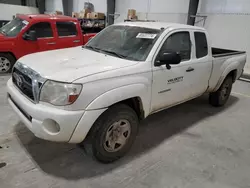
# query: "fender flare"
[[100, 104], [122, 93], [224, 75]]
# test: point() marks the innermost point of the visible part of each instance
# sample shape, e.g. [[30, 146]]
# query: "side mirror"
[[168, 58], [30, 36]]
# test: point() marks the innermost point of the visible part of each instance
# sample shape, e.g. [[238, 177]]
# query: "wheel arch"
[[11, 53], [135, 95], [232, 73], [136, 104]]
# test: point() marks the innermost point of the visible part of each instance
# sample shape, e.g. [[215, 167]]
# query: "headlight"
[[60, 94]]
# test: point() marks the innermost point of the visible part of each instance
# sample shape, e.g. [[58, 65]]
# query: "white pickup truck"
[[97, 94]]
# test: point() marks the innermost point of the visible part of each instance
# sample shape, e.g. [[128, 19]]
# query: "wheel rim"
[[4, 65], [225, 91], [117, 135]]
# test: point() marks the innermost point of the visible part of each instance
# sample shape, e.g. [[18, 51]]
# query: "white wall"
[[224, 6], [228, 24], [52, 5], [160, 10], [7, 11]]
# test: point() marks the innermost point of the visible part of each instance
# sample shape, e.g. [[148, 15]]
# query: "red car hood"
[[1, 36], [4, 38]]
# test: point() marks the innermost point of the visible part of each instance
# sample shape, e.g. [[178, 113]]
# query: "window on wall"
[[180, 43], [66, 29], [201, 44], [42, 29]]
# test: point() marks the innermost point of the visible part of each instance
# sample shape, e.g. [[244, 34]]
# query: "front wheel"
[[112, 134], [6, 62], [220, 97]]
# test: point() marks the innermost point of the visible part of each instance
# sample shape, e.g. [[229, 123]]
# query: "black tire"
[[220, 97], [11, 62], [96, 140]]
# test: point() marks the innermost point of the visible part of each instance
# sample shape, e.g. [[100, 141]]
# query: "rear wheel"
[[220, 97], [6, 62], [112, 134]]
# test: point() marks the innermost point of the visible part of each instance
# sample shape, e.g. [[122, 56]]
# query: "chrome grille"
[[23, 83], [27, 81]]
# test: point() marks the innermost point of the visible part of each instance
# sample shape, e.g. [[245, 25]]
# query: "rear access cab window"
[[65, 29], [201, 44]]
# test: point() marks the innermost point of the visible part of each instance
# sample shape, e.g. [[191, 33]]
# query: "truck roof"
[[160, 25], [40, 17]]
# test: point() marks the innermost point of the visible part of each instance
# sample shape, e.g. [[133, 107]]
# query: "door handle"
[[51, 43], [190, 69], [75, 41]]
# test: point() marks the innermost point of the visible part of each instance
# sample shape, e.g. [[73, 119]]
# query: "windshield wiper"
[[3, 32], [114, 53], [106, 51], [92, 48]]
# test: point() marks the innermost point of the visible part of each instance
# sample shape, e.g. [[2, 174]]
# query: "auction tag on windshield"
[[25, 22], [146, 36]]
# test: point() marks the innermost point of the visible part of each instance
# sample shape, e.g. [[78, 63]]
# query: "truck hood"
[[68, 65], [5, 38], [1, 36]]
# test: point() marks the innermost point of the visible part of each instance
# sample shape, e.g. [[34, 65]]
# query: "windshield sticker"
[[146, 36], [25, 22]]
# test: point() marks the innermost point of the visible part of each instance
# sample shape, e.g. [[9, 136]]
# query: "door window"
[[180, 43], [42, 29], [201, 44], [65, 29]]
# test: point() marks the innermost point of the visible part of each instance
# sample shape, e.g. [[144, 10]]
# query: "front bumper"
[[44, 121]]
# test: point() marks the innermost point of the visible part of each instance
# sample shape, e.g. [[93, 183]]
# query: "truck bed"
[[220, 52], [225, 60]]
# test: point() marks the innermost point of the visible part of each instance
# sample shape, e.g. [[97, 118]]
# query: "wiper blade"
[[114, 53], [106, 51], [92, 48]]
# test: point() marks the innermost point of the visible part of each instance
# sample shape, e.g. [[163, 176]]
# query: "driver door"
[[172, 86], [45, 39]]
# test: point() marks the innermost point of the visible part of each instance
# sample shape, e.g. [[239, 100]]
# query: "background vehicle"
[[28, 34], [99, 93]]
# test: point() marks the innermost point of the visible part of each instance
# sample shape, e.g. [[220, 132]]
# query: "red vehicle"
[[28, 34]]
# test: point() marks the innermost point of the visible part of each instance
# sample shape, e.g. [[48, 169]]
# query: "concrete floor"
[[192, 145]]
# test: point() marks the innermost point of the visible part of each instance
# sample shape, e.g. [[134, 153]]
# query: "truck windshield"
[[12, 28], [127, 42]]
